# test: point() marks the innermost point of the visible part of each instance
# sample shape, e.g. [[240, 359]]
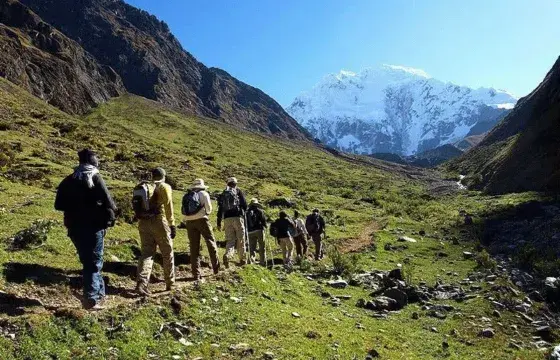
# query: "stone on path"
[[407, 239], [467, 255], [487, 333], [339, 284]]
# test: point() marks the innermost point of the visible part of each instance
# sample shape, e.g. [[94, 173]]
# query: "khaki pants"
[[155, 232], [287, 246], [196, 229], [301, 245], [257, 238], [318, 246], [234, 229]]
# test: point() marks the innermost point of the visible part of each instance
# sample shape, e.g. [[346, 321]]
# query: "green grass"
[[132, 135]]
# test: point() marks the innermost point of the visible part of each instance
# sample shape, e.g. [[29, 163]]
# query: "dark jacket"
[[310, 220], [232, 213], [260, 219], [284, 227], [84, 208]]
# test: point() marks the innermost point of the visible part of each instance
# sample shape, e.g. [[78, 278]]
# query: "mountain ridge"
[[394, 109]]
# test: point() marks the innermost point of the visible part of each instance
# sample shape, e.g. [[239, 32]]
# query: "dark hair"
[[283, 214], [87, 156], [316, 210]]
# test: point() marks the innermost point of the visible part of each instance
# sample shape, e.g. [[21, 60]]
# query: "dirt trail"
[[362, 242]]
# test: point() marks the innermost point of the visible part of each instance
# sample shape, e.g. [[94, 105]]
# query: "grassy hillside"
[[249, 312]]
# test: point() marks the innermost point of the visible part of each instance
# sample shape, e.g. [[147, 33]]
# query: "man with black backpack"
[[88, 211], [256, 224], [315, 225], [196, 207], [231, 209], [153, 206]]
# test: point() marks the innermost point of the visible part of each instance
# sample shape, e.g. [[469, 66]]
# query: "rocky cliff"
[[152, 63], [42, 60], [520, 153]]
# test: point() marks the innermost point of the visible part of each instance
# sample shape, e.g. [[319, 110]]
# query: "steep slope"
[[395, 109], [52, 67], [521, 153], [153, 64]]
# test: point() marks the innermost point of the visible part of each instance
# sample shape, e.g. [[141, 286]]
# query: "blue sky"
[[286, 46]]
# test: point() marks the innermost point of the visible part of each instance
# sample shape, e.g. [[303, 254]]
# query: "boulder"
[[555, 354], [339, 284], [396, 274], [407, 239], [487, 333], [467, 255], [281, 203], [399, 296], [385, 303]]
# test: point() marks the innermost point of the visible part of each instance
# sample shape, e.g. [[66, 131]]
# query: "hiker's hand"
[[173, 232]]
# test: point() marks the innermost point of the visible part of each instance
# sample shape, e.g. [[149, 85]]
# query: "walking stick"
[[246, 244]]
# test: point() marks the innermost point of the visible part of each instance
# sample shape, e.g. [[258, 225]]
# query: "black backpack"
[[253, 219], [230, 200], [191, 203], [312, 224]]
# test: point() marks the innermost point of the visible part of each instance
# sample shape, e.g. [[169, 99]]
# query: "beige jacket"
[[206, 207]]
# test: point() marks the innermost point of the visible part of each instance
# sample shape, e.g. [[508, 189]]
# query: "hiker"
[[300, 236], [196, 207], [282, 229], [231, 209], [315, 225], [88, 211], [153, 205], [256, 224]]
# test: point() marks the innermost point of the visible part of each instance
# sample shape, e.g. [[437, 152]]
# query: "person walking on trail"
[[153, 205], [88, 211], [284, 228], [231, 209], [196, 207], [315, 225], [300, 236], [256, 225]]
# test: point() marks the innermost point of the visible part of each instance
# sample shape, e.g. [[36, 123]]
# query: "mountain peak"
[[394, 108]]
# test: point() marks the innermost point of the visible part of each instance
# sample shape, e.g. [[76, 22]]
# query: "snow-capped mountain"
[[395, 109]]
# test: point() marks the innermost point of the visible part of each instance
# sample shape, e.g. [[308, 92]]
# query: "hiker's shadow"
[[21, 273], [13, 305]]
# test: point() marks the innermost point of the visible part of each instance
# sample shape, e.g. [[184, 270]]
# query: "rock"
[[545, 332], [281, 203], [515, 346], [266, 296], [434, 330], [496, 313], [487, 333], [339, 284], [235, 299], [185, 342], [396, 274], [407, 239], [436, 314], [176, 305], [491, 278], [385, 303], [268, 356], [555, 354], [445, 345], [361, 303], [467, 255], [114, 258], [399, 296], [526, 317], [415, 316], [312, 335], [296, 315], [372, 354]]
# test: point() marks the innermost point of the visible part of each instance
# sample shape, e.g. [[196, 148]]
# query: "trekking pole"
[[246, 245]]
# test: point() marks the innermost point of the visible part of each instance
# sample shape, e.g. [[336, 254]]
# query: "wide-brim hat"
[[198, 184], [232, 179], [254, 201]]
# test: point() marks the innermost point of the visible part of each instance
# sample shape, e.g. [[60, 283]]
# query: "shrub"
[[34, 236], [65, 127], [124, 155], [485, 261], [344, 265], [5, 126]]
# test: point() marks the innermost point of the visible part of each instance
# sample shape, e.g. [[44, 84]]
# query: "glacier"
[[395, 109]]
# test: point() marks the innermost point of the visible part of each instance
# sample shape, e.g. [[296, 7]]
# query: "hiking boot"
[[97, 307], [142, 290], [216, 270]]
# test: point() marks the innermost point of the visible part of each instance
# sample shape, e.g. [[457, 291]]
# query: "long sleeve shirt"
[[300, 227], [206, 209], [163, 197]]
